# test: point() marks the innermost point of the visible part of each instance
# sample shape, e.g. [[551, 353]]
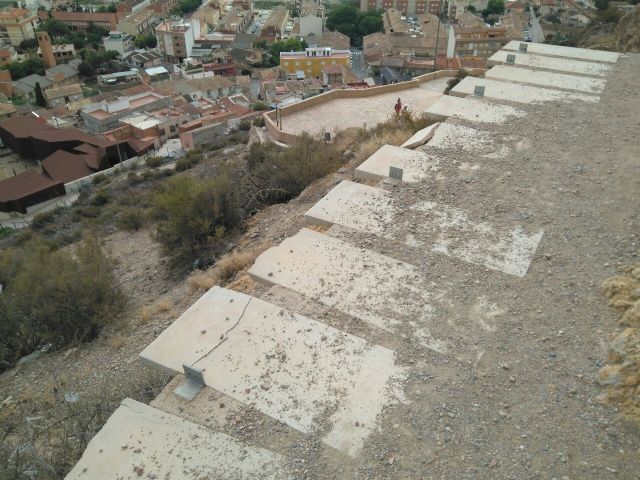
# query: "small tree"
[[40, 101], [602, 5]]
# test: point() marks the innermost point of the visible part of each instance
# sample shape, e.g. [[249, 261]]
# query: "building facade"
[[118, 41], [312, 61], [176, 38], [17, 25], [411, 8]]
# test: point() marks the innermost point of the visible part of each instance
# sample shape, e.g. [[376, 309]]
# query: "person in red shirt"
[[398, 107]]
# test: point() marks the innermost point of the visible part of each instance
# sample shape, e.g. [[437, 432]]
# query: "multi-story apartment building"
[[274, 27], [129, 6], [16, 25], [82, 20], [118, 41], [411, 8], [137, 22], [480, 42], [312, 61], [176, 38]]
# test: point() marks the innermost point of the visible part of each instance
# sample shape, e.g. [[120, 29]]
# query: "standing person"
[[398, 107]]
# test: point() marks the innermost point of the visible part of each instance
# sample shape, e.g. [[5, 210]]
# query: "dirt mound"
[[628, 32], [621, 374]]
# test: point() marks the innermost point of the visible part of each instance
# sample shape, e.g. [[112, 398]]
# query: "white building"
[[176, 38], [118, 41]]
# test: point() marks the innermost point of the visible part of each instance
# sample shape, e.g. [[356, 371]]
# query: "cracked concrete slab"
[[142, 441], [450, 136], [374, 288], [421, 136], [542, 62], [511, 92], [427, 225], [565, 52], [546, 79], [416, 165], [253, 351], [472, 109]]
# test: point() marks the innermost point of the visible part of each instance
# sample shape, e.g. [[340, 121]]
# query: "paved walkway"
[[343, 113]]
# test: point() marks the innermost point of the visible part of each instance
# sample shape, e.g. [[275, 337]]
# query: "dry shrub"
[[147, 312], [621, 374], [390, 137], [46, 430], [395, 131], [224, 269], [117, 341]]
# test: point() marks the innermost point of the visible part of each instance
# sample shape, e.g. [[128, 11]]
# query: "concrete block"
[[421, 136], [542, 62], [565, 52], [416, 165], [546, 79], [459, 137], [250, 350], [436, 227], [471, 109], [515, 92], [139, 441], [374, 288]]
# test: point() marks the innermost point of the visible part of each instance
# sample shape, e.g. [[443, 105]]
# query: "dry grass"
[[116, 341], [147, 312], [391, 137], [621, 374], [224, 270]]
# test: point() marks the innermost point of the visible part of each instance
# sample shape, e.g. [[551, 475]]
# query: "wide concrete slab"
[[546, 79], [565, 52], [374, 288], [416, 165], [427, 225], [515, 92], [257, 353], [472, 109], [454, 137], [421, 137], [563, 65], [139, 441]]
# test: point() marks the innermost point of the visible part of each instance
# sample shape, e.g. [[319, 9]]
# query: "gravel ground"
[[516, 399]]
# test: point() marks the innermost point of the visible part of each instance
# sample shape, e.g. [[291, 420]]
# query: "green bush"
[[131, 219], [183, 164], [258, 121], [153, 162], [259, 106], [42, 219], [101, 197], [54, 297], [282, 173], [195, 216], [244, 125], [133, 179], [99, 178]]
